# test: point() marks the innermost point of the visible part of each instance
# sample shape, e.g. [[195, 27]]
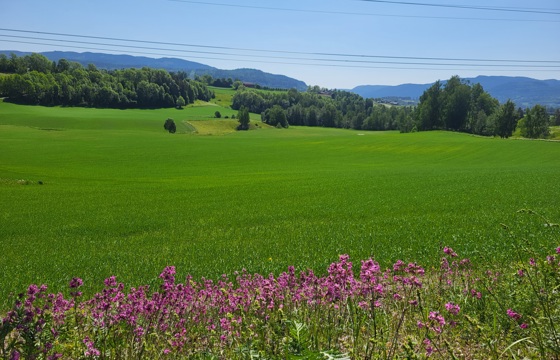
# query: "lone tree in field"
[[243, 118], [217, 114], [170, 126]]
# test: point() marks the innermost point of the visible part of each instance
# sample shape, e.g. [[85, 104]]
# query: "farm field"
[[121, 196]]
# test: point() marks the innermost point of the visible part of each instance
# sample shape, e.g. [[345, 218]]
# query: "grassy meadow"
[[120, 196]]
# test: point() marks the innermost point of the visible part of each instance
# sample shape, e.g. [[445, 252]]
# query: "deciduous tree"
[[180, 102], [275, 116], [170, 126], [505, 120], [243, 118], [429, 110], [535, 124]]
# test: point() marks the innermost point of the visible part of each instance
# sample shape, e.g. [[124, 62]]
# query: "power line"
[[358, 14], [520, 61], [470, 7], [278, 62], [393, 62]]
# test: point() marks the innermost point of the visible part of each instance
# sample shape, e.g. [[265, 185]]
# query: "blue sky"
[[376, 42]]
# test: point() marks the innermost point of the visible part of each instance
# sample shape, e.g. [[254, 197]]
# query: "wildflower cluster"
[[448, 312]]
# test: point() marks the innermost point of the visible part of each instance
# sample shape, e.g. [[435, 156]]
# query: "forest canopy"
[[36, 80]]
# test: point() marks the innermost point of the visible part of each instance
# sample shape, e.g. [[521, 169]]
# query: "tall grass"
[[458, 310]]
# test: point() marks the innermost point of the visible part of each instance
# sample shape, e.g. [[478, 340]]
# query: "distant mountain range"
[[112, 62], [525, 92]]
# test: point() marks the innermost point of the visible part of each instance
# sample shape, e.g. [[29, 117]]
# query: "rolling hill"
[[111, 62]]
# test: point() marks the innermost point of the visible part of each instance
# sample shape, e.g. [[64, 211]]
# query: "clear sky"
[[330, 43]]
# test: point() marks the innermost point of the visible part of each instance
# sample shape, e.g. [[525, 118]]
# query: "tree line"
[[36, 80], [460, 106], [320, 107], [456, 105]]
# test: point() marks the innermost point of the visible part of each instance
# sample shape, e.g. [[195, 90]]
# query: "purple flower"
[[111, 281], [558, 250], [436, 316], [363, 305], [398, 265], [429, 348], [91, 350], [523, 326], [512, 314], [76, 283], [32, 290], [452, 308], [168, 275], [449, 251]]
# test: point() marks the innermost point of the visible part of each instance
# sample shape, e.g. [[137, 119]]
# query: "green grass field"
[[120, 196], [223, 96]]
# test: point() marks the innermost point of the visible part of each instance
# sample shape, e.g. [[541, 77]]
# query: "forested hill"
[[35, 80], [116, 62], [524, 92]]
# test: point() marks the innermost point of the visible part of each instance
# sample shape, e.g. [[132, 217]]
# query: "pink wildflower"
[[449, 251], [512, 314], [76, 283], [363, 305], [523, 326], [452, 308], [398, 265], [91, 350], [558, 250], [436, 316], [111, 281], [429, 348]]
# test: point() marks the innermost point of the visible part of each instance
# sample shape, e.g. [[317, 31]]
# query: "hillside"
[[112, 62], [525, 92]]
